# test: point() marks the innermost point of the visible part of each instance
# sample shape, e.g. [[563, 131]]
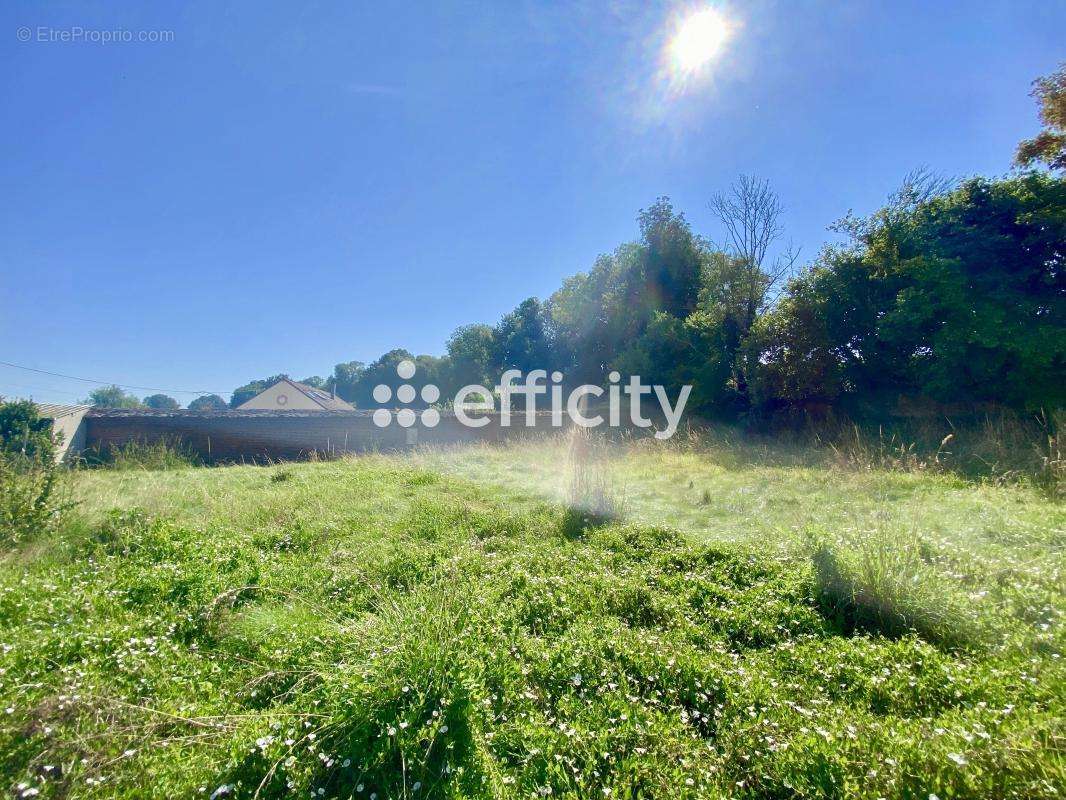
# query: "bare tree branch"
[[751, 215]]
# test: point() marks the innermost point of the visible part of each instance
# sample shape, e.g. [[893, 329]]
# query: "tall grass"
[[160, 454], [883, 583], [1003, 447], [590, 491], [1052, 474], [367, 628]]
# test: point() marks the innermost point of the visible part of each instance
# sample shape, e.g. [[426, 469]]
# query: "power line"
[[44, 389], [108, 383]]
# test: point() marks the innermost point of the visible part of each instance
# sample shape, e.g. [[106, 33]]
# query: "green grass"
[[754, 622]]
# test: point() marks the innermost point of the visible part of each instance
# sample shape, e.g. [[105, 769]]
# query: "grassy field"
[[715, 620]]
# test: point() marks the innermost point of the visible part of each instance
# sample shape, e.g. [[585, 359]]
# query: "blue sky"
[[282, 187]]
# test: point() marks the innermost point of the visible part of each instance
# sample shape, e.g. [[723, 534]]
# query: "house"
[[69, 423], [287, 395]]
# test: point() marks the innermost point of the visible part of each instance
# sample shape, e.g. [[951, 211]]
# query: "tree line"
[[950, 293]]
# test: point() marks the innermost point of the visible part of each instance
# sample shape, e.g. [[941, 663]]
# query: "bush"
[[29, 497], [29, 475], [23, 432]]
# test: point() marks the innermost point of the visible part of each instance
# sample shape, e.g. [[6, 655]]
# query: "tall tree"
[[672, 257], [384, 372], [592, 318], [112, 397], [1049, 146], [208, 402], [597, 319], [161, 402], [957, 296], [471, 351], [521, 338], [346, 379], [751, 214]]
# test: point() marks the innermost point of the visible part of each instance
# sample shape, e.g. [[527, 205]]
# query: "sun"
[[699, 38]]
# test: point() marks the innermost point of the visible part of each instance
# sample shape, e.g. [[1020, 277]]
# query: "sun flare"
[[699, 39]]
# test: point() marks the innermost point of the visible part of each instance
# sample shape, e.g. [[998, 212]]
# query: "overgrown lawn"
[[446, 626]]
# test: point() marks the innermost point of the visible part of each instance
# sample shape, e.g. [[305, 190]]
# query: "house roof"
[[328, 401], [57, 410], [320, 397]]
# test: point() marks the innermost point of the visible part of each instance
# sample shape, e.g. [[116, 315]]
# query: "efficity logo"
[[529, 386]]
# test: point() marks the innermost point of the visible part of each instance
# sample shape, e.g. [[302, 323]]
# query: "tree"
[[347, 378], [742, 280], [956, 296], [24, 433], [208, 402], [521, 338], [591, 317], [161, 402], [356, 382], [471, 351], [792, 357], [383, 372], [1049, 146], [112, 397], [675, 352], [436, 370], [751, 214], [596, 319], [671, 260]]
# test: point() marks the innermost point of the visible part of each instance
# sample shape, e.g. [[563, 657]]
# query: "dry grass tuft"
[[590, 489]]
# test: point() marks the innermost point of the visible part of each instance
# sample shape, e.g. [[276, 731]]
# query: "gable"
[[281, 396], [292, 396]]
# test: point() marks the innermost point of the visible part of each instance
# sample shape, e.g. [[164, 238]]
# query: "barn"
[[68, 421]]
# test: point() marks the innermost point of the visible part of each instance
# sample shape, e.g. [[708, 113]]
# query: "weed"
[[591, 493], [281, 476], [159, 454], [884, 585], [30, 497], [365, 630]]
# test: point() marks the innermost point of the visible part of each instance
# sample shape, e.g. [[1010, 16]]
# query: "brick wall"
[[260, 435]]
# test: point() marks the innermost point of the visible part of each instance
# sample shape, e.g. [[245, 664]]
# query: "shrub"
[[29, 497], [23, 432], [29, 475]]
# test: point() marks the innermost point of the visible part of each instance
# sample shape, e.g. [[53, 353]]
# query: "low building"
[[287, 395], [254, 435], [68, 425]]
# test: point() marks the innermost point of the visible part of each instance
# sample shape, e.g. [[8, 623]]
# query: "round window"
[[283, 399]]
